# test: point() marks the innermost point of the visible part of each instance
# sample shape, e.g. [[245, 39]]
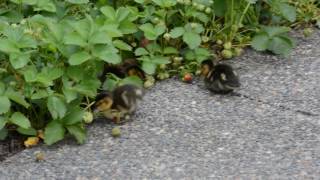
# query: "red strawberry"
[[187, 78]]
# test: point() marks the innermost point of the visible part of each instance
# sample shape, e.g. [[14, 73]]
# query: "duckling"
[[129, 67], [120, 103], [126, 98], [219, 78]]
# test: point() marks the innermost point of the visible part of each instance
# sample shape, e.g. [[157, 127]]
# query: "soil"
[[12, 145]]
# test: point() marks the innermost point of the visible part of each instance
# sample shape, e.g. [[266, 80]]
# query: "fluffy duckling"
[[121, 103], [129, 67], [219, 78]]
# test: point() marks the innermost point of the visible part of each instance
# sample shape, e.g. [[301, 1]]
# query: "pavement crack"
[[305, 113]]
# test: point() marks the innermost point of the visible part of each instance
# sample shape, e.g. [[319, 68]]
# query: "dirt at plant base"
[[12, 145]]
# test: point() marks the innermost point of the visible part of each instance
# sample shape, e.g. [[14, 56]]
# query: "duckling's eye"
[[223, 76]]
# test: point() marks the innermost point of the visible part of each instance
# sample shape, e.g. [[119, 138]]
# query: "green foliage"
[[274, 39], [51, 51]]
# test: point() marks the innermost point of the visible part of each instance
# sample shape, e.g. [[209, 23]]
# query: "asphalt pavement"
[[268, 129]]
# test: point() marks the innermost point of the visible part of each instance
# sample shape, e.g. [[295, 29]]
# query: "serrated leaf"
[[19, 60], [107, 53], [109, 12], [193, 40], [160, 60], [3, 122], [260, 42], [78, 1], [45, 5], [74, 116], [112, 30], [177, 32], [4, 104], [40, 94], [128, 27], [122, 13], [19, 119], [27, 42], [54, 132], [109, 84], [17, 97], [134, 80], [279, 45], [78, 132], [170, 50], [141, 51], [69, 94], [88, 87], [29, 131], [8, 46], [201, 16], [152, 32], [74, 38], [30, 74], [288, 12], [100, 38], [275, 30], [56, 107], [149, 67], [122, 45], [165, 3], [79, 58], [202, 54]]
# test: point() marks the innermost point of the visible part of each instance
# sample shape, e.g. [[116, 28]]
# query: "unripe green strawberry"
[[116, 132], [156, 20], [194, 4], [147, 84], [166, 75], [227, 53], [87, 117], [238, 51], [219, 42], [162, 66], [205, 39], [227, 45], [193, 25], [201, 7], [167, 36], [208, 10]]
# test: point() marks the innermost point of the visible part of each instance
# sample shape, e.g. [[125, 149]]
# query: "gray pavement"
[[269, 129]]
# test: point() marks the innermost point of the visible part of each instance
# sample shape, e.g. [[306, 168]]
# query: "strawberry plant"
[[52, 51]]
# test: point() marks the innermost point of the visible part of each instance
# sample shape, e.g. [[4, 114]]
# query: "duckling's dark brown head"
[[227, 76]]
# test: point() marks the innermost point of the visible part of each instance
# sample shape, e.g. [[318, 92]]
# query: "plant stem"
[[244, 12]]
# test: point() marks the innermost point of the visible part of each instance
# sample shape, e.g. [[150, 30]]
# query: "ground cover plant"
[[52, 51]]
